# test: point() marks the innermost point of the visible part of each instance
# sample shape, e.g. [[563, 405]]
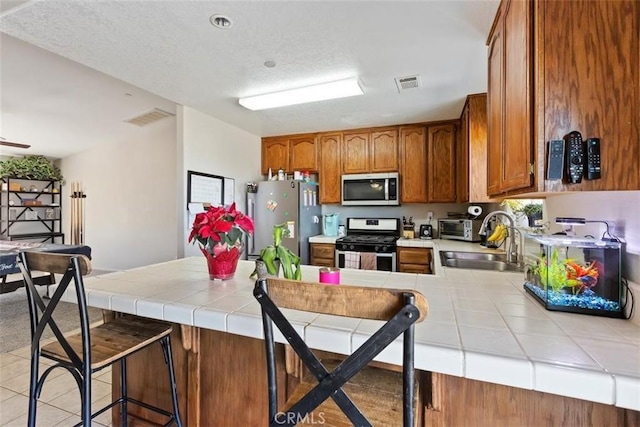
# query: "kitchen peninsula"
[[488, 354]]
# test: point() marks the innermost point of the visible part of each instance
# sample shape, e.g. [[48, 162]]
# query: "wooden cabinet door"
[[462, 157], [477, 135], [355, 152], [600, 98], [517, 143], [329, 171], [383, 151], [413, 164], [441, 163], [323, 254], [414, 260], [303, 154], [494, 111], [275, 154]]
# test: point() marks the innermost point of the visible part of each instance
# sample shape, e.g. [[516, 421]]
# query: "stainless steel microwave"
[[459, 229], [374, 189]]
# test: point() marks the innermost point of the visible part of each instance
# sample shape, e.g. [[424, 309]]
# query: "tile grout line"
[[19, 354]]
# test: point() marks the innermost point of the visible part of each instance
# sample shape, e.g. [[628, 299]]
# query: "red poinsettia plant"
[[220, 232], [220, 226]]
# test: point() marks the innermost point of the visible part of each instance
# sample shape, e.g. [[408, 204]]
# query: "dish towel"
[[368, 261], [352, 260]]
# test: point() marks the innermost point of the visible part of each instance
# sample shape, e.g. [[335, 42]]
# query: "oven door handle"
[[391, 255], [383, 255]]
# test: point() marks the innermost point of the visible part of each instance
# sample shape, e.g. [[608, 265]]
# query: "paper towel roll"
[[474, 210]]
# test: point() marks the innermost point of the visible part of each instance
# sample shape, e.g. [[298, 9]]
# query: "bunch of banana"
[[499, 234]]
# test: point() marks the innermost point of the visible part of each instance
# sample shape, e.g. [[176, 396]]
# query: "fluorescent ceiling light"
[[321, 92]]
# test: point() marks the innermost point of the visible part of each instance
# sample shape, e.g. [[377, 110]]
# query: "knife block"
[[408, 232]]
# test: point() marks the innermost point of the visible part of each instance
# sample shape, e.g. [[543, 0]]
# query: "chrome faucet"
[[512, 252]]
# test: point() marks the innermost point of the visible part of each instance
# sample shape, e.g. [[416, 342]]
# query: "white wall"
[[211, 146], [619, 208], [130, 206]]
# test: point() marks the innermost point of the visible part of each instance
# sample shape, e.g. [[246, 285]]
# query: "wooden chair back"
[[344, 300], [56, 263]]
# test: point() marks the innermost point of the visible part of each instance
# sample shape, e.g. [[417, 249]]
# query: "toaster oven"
[[459, 229]]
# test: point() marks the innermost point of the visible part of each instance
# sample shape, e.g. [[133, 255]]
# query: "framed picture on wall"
[[204, 188]]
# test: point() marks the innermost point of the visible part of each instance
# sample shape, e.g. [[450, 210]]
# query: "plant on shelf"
[[276, 256], [30, 167], [531, 209], [533, 212]]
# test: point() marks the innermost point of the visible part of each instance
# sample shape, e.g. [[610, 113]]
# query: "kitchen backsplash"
[[417, 211]]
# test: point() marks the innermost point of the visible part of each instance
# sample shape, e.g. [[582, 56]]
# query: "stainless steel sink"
[[477, 261], [483, 256]]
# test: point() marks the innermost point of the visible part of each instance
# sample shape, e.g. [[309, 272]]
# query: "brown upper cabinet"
[[330, 172], [413, 164], [441, 163], [422, 154], [291, 153], [510, 153], [462, 156], [355, 152], [303, 153], [472, 155], [275, 154], [368, 151], [383, 149], [547, 78]]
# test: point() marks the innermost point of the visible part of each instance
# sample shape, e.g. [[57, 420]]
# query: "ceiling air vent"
[[409, 82], [149, 117]]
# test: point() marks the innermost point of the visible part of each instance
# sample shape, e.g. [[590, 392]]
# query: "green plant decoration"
[[531, 209], [277, 255], [30, 167]]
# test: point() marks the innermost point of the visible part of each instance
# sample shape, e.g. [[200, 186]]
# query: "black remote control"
[[555, 165], [575, 157], [593, 158]]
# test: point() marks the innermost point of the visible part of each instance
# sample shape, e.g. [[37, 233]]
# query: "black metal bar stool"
[[92, 349], [399, 309]]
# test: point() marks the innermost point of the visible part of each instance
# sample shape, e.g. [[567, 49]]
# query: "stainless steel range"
[[370, 243]]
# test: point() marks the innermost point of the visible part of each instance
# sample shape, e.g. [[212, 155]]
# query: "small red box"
[[31, 202]]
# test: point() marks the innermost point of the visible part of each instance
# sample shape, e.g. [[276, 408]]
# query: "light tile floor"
[[59, 403]]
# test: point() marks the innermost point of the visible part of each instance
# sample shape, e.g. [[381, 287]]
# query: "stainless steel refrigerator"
[[294, 203]]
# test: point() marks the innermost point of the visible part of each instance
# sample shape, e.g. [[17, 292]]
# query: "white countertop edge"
[[627, 392], [323, 239], [580, 383], [509, 371]]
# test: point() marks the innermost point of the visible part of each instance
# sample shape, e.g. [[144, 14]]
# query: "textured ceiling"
[[170, 49]]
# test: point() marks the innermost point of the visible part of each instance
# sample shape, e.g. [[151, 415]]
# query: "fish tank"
[[576, 275]]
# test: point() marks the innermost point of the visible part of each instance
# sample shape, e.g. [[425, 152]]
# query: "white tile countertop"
[[481, 325], [323, 239]]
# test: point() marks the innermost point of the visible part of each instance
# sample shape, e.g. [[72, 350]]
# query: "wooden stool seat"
[[111, 341], [375, 391]]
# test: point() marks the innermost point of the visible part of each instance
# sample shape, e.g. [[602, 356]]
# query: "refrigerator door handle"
[[252, 239]]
